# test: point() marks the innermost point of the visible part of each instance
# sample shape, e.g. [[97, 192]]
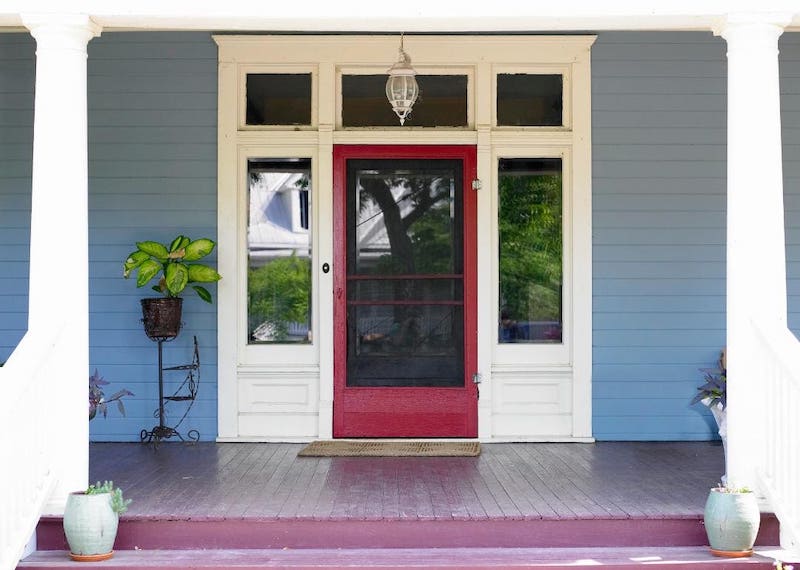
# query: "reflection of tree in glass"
[[418, 224], [278, 294], [420, 213], [530, 230]]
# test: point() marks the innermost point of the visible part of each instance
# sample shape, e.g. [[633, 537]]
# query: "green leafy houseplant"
[[174, 265]]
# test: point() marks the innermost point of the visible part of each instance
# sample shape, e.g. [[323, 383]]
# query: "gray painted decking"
[[508, 481]]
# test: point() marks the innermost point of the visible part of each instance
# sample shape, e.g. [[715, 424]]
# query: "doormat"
[[391, 449]]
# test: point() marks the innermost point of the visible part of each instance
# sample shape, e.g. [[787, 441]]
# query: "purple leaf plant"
[[97, 399]]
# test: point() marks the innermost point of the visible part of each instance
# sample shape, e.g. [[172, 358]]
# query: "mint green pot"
[[90, 524], [731, 520]]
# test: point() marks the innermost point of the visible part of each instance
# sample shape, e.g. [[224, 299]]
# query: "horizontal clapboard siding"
[[659, 152], [16, 150], [790, 117], [658, 122], [152, 174], [152, 168]]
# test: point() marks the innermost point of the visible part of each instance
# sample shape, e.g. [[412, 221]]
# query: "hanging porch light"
[[402, 89]]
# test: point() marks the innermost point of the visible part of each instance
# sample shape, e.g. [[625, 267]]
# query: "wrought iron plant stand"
[[186, 392]]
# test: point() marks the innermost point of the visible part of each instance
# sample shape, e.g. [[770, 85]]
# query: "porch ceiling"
[[420, 16]]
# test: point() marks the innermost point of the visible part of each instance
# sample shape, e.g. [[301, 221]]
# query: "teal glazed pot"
[[732, 521], [90, 526]]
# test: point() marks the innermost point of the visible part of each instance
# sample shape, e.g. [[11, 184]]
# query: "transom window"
[[530, 100], [442, 102], [278, 99]]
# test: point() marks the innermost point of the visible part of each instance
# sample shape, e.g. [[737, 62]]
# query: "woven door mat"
[[391, 449]]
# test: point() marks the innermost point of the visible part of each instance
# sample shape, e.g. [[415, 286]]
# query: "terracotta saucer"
[[91, 557], [732, 553]]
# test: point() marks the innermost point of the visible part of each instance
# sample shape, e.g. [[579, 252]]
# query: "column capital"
[[61, 31], [766, 23]]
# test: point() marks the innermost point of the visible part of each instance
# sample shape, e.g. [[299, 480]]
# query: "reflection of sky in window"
[[275, 217]]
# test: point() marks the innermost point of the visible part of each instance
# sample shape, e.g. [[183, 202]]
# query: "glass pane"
[[405, 219], [525, 100], [442, 102], [404, 273], [531, 249], [278, 99], [279, 251], [404, 289], [399, 345]]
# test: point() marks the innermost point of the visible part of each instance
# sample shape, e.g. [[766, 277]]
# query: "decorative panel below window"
[[279, 251], [530, 227]]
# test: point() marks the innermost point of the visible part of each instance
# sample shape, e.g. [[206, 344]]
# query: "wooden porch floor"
[[507, 482]]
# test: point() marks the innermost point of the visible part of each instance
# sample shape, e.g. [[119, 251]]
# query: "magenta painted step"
[[152, 533], [694, 558]]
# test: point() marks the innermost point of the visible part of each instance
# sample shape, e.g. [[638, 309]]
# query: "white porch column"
[[59, 254], [756, 267]]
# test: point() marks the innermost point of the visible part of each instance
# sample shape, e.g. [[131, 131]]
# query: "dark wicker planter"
[[162, 317]]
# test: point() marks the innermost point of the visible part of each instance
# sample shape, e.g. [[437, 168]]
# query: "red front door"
[[404, 291]]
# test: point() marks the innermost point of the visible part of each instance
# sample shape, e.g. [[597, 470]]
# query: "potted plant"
[[174, 267], [91, 519], [97, 398], [731, 518], [714, 395]]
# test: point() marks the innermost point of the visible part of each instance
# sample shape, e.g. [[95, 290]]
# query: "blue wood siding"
[[16, 151], [659, 165], [659, 119], [152, 175], [790, 117]]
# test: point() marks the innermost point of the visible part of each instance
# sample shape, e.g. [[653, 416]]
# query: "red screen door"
[[404, 291]]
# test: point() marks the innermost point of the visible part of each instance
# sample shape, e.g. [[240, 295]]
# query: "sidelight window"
[[530, 231], [279, 251]]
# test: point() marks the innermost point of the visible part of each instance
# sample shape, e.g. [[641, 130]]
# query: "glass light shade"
[[402, 89]]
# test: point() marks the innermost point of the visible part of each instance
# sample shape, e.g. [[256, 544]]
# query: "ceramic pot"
[[732, 521], [90, 526], [721, 417]]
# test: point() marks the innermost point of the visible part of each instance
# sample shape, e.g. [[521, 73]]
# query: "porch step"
[[152, 533], [696, 558]]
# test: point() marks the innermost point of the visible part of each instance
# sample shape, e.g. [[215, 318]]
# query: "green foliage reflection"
[[530, 232], [279, 294]]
